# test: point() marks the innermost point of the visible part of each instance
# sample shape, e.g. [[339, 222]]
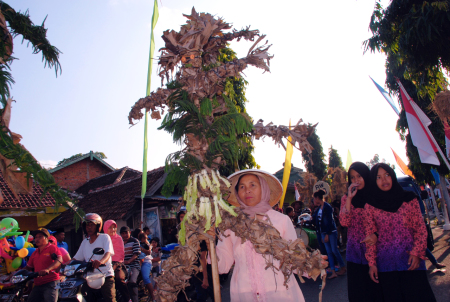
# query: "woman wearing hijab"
[[255, 192], [120, 271], [359, 285], [397, 259]]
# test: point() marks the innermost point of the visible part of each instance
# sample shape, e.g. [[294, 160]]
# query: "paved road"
[[336, 289]]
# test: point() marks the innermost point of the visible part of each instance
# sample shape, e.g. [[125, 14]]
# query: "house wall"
[[77, 174]]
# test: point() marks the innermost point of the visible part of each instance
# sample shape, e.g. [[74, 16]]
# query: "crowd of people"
[[385, 240], [123, 260]]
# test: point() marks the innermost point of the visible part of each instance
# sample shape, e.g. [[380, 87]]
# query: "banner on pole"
[[155, 17], [287, 167]]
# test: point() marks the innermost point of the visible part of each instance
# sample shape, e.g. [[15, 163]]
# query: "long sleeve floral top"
[[354, 221], [399, 234]]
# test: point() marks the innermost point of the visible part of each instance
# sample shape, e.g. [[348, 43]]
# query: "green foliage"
[[20, 24], [375, 160], [415, 36], [36, 35], [206, 107], [319, 168], [100, 155], [334, 160]]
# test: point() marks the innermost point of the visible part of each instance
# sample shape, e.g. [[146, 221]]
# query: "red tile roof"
[[110, 202], [25, 201]]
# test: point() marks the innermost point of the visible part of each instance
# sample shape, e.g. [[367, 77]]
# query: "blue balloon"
[[24, 263], [30, 251], [20, 242]]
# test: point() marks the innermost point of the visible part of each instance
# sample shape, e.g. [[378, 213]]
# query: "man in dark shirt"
[[132, 252]]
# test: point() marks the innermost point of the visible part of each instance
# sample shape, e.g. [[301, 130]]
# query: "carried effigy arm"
[[151, 102], [298, 133]]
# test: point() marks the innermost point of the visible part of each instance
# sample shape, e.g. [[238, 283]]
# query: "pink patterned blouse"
[[399, 234], [354, 221]]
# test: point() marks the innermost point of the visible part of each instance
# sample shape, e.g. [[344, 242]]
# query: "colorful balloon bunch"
[[20, 244]]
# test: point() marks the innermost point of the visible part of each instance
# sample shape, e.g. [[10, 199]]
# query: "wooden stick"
[[215, 271]]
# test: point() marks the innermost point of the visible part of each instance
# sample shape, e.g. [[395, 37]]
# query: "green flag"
[[149, 81], [349, 160]]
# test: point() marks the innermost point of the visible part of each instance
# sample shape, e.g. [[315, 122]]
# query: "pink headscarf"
[[117, 242], [263, 206]]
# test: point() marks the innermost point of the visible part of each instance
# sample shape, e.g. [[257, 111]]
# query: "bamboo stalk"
[[215, 271]]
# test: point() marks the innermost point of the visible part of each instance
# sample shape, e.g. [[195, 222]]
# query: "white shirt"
[[86, 248]]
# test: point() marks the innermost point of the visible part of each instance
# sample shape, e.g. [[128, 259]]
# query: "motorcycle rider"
[[92, 226], [45, 286], [132, 252]]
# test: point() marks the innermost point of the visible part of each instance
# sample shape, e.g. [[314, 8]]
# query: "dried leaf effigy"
[[203, 115]]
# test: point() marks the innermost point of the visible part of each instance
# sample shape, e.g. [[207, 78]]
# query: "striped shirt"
[[132, 247]]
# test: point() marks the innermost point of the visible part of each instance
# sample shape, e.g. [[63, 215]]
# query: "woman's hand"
[[370, 240], [413, 262], [373, 273], [325, 239], [205, 283], [352, 190]]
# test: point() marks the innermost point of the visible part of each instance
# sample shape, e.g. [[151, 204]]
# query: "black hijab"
[[389, 201], [360, 199]]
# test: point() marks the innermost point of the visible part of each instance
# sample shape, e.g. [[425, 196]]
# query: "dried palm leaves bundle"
[[299, 133], [441, 106], [292, 255], [339, 182], [192, 53], [307, 189]]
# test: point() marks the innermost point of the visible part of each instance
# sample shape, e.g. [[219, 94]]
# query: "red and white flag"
[[447, 139], [417, 121]]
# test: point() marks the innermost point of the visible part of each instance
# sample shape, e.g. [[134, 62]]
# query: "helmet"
[[306, 211], [95, 218], [95, 280], [304, 217]]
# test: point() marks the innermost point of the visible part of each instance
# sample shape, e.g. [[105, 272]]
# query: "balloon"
[[4, 245], [27, 245], [26, 236], [16, 263], [22, 253], [9, 222], [20, 241], [30, 250], [24, 263], [30, 238]]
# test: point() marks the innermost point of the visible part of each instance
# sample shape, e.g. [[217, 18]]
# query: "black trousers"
[[406, 286], [359, 285]]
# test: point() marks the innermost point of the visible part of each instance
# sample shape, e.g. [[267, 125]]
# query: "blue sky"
[[319, 73]]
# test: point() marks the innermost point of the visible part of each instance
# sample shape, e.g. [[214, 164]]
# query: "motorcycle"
[[20, 287], [79, 275]]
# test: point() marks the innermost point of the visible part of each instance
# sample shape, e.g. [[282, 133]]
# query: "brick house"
[[75, 173], [116, 196]]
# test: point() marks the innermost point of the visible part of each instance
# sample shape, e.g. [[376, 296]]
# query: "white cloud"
[[48, 163]]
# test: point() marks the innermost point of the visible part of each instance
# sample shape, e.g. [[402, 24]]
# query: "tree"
[[415, 36], [316, 160], [15, 159], [375, 160], [334, 160], [100, 155]]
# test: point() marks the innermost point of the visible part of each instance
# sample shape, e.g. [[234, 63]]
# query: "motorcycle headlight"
[[18, 279], [81, 270], [69, 270]]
